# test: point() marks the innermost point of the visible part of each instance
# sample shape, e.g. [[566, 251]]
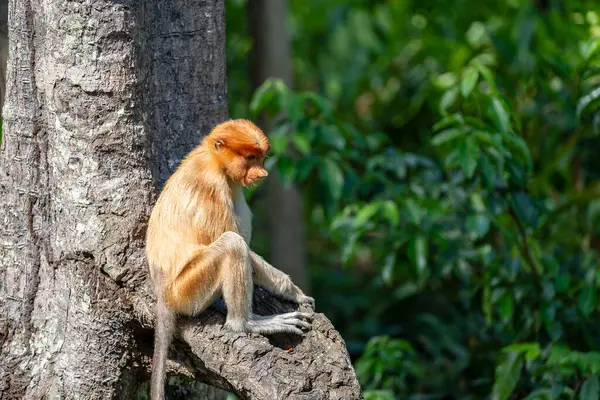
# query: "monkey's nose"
[[263, 173]]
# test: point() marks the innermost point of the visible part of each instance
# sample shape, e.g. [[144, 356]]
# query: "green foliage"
[[447, 154]]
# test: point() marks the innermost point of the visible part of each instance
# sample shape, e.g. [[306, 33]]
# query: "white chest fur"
[[243, 213]]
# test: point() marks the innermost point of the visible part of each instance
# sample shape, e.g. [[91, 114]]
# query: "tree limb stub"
[[314, 366]]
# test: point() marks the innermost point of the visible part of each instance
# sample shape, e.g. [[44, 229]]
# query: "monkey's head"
[[239, 148]]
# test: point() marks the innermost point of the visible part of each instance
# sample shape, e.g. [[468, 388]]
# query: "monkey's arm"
[[275, 281]]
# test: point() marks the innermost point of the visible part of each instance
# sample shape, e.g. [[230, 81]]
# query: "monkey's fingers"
[[285, 327], [299, 323], [290, 320], [307, 300], [297, 314]]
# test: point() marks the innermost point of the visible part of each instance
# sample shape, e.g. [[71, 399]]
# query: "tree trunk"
[[271, 57], [3, 50], [103, 99]]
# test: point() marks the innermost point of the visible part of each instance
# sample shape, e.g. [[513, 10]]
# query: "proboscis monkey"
[[197, 242]]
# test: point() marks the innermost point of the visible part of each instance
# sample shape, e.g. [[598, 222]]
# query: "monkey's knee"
[[233, 239], [234, 245]]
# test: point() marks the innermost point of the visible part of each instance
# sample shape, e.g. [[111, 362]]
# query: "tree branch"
[[315, 366]]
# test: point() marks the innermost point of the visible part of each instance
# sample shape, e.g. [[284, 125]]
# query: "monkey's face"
[[241, 148], [245, 166]]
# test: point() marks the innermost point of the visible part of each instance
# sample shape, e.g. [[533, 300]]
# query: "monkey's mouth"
[[251, 182]]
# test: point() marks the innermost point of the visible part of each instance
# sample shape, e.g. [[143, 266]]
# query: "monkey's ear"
[[218, 143]]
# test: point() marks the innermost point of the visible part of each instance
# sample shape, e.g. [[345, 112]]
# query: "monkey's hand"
[[304, 299]]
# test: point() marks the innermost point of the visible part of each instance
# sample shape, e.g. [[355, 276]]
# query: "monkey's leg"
[[213, 271], [224, 268], [275, 281]]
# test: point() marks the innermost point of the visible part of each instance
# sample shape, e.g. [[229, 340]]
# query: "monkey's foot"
[[292, 322]]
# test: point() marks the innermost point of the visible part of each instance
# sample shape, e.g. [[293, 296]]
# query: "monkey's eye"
[[251, 157]]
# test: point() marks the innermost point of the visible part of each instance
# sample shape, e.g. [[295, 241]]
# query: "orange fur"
[[197, 242], [196, 206]]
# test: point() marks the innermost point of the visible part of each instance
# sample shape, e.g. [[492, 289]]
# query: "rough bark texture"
[[103, 99], [271, 57], [3, 49]]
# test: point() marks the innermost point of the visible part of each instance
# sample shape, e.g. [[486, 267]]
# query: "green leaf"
[[302, 143], [500, 115], [531, 350], [295, 107], [366, 213], [590, 49], [387, 272], [332, 136], [448, 99], [469, 80], [448, 120], [517, 143], [559, 354], [319, 102], [590, 390], [469, 152], [540, 394], [488, 76], [562, 282], [447, 136], [279, 143], [417, 252], [506, 306], [587, 300], [508, 373], [391, 212], [479, 225], [413, 210], [332, 174], [379, 395], [265, 98]]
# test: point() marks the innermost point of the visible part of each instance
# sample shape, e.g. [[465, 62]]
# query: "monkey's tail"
[[163, 335]]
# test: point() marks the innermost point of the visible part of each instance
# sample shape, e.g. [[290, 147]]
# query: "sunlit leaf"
[[448, 121], [500, 115], [268, 97], [333, 176], [391, 212], [447, 136], [417, 252], [387, 271], [508, 373], [448, 99], [488, 76], [531, 350], [366, 213], [469, 80]]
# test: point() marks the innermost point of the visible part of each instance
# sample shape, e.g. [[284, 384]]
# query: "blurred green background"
[[441, 158]]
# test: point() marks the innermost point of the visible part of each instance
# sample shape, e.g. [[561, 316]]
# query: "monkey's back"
[[194, 208]]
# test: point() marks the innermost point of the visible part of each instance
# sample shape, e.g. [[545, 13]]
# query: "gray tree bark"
[[103, 99], [3, 49], [271, 57]]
